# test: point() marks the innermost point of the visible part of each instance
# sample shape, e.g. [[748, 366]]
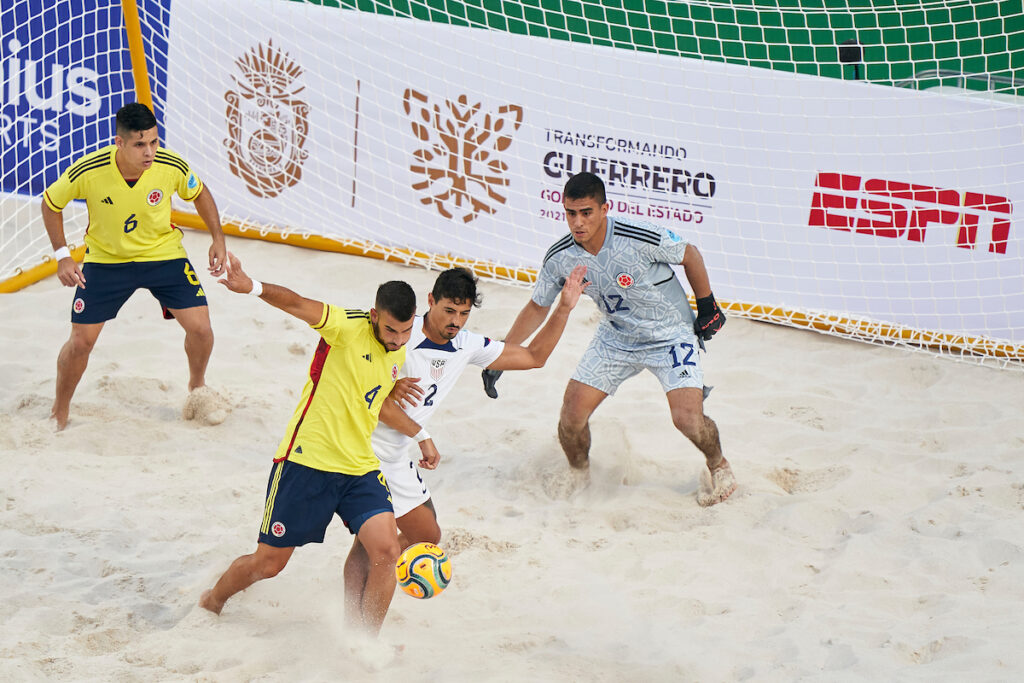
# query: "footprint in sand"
[[564, 482], [797, 481], [456, 540], [206, 405]]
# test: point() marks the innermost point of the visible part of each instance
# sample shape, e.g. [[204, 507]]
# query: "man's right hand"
[[69, 273], [490, 377], [235, 278]]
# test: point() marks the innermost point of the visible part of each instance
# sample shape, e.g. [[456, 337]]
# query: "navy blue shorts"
[[301, 501], [108, 286]]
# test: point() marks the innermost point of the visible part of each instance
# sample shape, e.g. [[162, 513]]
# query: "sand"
[[876, 533]]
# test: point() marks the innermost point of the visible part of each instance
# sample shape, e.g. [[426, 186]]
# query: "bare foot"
[[717, 485], [206, 601], [60, 417]]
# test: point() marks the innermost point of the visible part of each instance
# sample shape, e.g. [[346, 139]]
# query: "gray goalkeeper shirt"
[[633, 284]]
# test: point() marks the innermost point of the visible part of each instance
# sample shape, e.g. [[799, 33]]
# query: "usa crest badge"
[[437, 368]]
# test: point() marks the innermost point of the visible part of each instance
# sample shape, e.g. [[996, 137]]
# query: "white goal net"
[[857, 168]]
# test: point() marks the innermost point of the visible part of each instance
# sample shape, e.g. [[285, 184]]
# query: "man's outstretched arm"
[[307, 310], [516, 357]]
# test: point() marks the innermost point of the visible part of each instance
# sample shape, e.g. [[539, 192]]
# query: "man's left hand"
[[710, 317]]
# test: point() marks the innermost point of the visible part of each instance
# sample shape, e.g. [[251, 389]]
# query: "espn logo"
[[887, 208]]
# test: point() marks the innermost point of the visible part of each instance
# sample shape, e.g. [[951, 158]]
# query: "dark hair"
[[397, 299], [134, 118], [585, 185], [457, 284]]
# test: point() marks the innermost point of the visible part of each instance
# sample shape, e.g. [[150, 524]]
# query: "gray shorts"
[[676, 365]]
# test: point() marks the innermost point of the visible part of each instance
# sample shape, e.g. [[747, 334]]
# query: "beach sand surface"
[[877, 532]]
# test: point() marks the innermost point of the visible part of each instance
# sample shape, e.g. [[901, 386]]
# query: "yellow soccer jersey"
[[350, 376], [127, 223]]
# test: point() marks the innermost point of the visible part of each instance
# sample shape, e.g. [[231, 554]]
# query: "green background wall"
[[899, 39]]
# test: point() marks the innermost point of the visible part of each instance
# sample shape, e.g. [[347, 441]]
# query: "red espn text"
[[887, 208]]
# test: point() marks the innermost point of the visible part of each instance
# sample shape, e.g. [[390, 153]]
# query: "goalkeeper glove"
[[490, 377], [710, 317]]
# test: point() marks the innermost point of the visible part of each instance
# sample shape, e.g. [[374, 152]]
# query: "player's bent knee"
[[689, 423], [386, 557], [269, 567], [81, 344], [571, 421]]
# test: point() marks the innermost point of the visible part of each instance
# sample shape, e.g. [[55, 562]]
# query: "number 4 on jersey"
[[370, 395]]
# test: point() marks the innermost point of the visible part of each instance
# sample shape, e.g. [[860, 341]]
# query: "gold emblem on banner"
[[459, 170], [267, 122]]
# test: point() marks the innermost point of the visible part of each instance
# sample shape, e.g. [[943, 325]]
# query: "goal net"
[[853, 167]]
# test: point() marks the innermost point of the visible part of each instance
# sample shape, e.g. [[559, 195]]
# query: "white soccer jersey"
[[438, 366], [633, 284]]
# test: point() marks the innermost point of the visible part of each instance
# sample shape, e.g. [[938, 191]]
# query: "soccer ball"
[[423, 570]]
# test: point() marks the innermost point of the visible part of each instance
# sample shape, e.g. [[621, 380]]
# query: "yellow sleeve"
[[190, 186], [339, 325], [60, 193]]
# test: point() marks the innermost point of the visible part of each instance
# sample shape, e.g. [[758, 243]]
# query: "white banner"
[[801, 192]]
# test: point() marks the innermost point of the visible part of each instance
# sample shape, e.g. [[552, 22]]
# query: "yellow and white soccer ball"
[[423, 570]]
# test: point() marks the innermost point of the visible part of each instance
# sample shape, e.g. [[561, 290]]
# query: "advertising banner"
[[62, 69], [801, 192]]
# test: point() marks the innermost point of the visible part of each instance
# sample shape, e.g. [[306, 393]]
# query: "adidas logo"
[[107, 200], [367, 357], [297, 450]]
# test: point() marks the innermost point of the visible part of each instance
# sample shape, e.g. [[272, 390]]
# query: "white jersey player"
[[438, 352], [647, 325]]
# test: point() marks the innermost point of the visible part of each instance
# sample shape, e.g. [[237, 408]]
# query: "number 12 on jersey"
[[686, 353]]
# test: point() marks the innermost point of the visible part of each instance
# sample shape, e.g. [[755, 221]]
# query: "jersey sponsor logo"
[[267, 121], [154, 197], [367, 357], [459, 169], [906, 211], [193, 182], [394, 373], [107, 200], [437, 368], [79, 305], [625, 280], [278, 529]]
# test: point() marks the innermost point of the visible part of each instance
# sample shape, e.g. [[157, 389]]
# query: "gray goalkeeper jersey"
[[633, 284]]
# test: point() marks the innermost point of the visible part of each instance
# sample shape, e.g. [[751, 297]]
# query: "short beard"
[[376, 334]]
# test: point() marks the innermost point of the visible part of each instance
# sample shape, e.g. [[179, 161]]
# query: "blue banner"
[[65, 70]]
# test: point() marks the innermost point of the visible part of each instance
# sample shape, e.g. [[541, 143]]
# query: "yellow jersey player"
[[325, 465], [130, 244]]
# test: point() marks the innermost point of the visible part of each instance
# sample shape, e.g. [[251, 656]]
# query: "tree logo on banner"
[[267, 121], [459, 170]]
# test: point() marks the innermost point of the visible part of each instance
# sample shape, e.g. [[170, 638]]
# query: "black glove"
[[710, 317], [490, 378]]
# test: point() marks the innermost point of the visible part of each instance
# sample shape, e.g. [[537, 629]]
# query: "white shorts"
[[408, 490], [676, 365]]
